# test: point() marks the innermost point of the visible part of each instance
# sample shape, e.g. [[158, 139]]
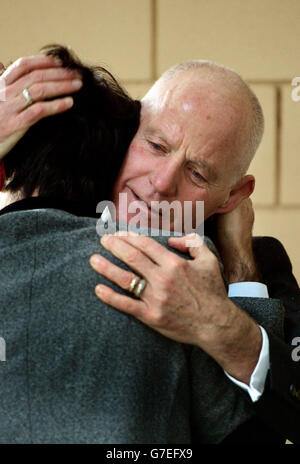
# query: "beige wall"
[[138, 39]]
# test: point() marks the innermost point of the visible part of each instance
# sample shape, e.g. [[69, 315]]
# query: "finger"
[[150, 247], [27, 64], [179, 243], [112, 272], [40, 76], [40, 110], [44, 91], [123, 303], [191, 243], [195, 246], [130, 255]]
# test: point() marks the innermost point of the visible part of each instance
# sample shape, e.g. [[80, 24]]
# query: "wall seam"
[[278, 146], [153, 40]]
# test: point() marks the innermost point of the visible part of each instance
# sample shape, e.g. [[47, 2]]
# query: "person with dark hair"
[[77, 155], [76, 371]]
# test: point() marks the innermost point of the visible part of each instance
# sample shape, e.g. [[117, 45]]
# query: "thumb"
[[191, 244]]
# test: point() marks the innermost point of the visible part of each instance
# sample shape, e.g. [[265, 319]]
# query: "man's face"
[[181, 151]]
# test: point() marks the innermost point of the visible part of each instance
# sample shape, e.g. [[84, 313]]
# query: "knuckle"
[[143, 242], [36, 111], [37, 91], [163, 299], [37, 75], [159, 317], [132, 256], [156, 318], [177, 264], [21, 62], [8, 91], [126, 280]]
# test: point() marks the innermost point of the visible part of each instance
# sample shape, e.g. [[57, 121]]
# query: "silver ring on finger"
[[140, 288], [27, 96]]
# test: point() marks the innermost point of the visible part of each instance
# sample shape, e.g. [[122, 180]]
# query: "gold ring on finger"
[[133, 284], [140, 287]]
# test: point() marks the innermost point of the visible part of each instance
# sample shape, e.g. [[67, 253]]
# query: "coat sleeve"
[[279, 405]]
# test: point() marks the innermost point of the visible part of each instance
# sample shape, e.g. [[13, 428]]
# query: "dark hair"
[[76, 155]]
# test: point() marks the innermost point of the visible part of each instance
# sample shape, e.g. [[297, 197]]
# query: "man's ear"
[[242, 189]]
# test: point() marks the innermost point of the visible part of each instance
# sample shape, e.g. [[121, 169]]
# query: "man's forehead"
[[175, 113], [193, 121], [190, 105]]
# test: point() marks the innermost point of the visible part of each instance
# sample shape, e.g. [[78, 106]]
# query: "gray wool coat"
[[78, 371]]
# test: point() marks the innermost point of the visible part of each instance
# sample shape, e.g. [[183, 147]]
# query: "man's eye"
[[197, 175], [155, 146]]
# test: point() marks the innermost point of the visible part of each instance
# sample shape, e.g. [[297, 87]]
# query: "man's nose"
[[164, 178]]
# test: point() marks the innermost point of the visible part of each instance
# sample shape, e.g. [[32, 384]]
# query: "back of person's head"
[[76, 155]]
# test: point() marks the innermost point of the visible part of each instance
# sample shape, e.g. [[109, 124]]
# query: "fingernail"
[[57, 61], [99, 289], [69, 101], [77, 83], [95, 260], [105, 238]]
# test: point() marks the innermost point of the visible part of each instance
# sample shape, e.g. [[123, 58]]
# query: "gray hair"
[[256, 129]]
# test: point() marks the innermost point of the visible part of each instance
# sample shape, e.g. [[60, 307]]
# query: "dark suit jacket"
[[278, 410]]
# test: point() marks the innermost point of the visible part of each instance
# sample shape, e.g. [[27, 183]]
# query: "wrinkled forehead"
[[193, 109], [192, 86]]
